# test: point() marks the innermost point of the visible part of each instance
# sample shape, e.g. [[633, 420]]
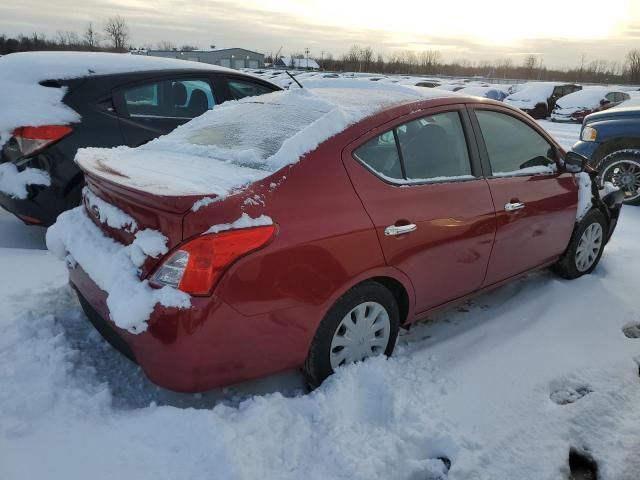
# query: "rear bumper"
[[41, 207], [207, 346]]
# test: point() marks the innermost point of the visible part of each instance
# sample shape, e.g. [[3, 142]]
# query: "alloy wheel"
[[624, 174]]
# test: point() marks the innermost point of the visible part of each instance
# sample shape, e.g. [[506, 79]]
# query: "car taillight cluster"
[[31, 140], [198, 264]]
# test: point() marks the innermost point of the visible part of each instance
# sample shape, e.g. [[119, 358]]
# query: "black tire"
[[317, 366], [630, 159], [567, 266], [540, 112]]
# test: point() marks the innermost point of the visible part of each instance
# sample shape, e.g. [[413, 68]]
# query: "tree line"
[[430, 62], [114, 36]]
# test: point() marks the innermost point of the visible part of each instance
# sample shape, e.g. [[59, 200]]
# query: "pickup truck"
[[611, 141]]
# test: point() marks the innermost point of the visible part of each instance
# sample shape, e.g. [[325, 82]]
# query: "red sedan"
[[304, 229]]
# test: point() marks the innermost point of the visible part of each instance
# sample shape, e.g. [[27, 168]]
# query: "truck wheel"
[[585, 248], [363, 323], [622, 168]]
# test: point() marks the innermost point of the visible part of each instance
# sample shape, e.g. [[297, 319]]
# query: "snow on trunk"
[[114, 267]]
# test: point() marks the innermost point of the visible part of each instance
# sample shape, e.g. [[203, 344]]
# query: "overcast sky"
[[558, 30]]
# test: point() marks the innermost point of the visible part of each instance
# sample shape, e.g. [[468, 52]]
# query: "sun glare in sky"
[[490, 21]]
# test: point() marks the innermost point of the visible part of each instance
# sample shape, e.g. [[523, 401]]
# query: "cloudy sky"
[[558, 30]]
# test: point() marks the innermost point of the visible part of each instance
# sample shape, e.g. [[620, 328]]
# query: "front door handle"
[[392, 230], [513, 206]]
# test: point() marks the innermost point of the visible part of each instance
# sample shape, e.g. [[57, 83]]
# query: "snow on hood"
[[530, 96], [241, 142], [24, 102], [587, 98]]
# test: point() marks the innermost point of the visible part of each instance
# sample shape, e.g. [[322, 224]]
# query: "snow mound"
[[14, 182], [242, 141], [25, 102], [114, 267]]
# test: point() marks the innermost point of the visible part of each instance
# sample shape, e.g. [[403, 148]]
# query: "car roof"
[[41, 66]]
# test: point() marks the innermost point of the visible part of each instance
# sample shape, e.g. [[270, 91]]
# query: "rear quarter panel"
[[325, 241]]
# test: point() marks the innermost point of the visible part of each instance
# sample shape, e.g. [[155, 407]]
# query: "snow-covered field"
[[503, 386]]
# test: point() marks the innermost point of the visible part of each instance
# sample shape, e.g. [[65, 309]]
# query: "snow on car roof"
[[39, 66], [27, 103], [587, 97], [243, 141], [533, 92]]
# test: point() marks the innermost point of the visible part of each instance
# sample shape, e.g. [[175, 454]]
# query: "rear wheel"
[[585, 248], [622, 169], [363, 323]]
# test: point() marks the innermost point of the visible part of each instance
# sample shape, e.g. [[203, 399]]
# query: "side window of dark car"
[[241, 88], [431, 148], [183, 98], [513, 147]]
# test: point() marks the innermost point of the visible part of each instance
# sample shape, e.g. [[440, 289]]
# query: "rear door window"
[[178, 98], [434, 148], [513, 147], [429, 149]]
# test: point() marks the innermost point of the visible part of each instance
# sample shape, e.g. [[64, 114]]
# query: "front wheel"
[[363, 323], [622, 169], [585, 248]]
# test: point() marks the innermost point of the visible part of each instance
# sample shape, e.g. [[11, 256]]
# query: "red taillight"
[[33, 139], [198, 264]]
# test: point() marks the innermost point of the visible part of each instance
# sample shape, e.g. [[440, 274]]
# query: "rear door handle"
[[392, 230], [513, 206]]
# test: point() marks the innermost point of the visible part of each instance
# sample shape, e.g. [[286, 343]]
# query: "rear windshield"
[[260, 130]]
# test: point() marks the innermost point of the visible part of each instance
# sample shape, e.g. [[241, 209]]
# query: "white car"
[[575, 106]]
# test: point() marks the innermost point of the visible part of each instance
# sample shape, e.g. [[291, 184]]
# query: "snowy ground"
[[503, 386]]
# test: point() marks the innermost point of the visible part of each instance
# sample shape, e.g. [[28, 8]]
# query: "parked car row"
[[298, 231]]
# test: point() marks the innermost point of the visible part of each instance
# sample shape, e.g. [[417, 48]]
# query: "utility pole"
[[306, 51]]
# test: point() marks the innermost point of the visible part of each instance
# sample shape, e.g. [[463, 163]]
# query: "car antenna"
[[293, 78]]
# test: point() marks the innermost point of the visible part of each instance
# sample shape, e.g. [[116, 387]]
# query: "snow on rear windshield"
[[242, 141]]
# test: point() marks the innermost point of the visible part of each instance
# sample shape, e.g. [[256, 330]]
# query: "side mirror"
[[574, 162], [604, 102]]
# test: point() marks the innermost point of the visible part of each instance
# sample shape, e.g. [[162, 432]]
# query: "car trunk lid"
[[121, 212]]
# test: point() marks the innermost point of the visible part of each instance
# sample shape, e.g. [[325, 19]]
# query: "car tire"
[[370, 303], [540, 112], [585, 247], [629, 161]]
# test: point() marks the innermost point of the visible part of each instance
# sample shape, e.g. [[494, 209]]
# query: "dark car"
[[129, 108], [611, 141], [539, 99], [316, 251]]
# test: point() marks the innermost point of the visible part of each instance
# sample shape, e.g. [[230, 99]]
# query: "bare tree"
[[90, 37], [165, 45], [633, 66], [117, 32]]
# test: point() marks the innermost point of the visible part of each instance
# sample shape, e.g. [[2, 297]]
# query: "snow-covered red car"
[[575, 106], [305, 229]]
